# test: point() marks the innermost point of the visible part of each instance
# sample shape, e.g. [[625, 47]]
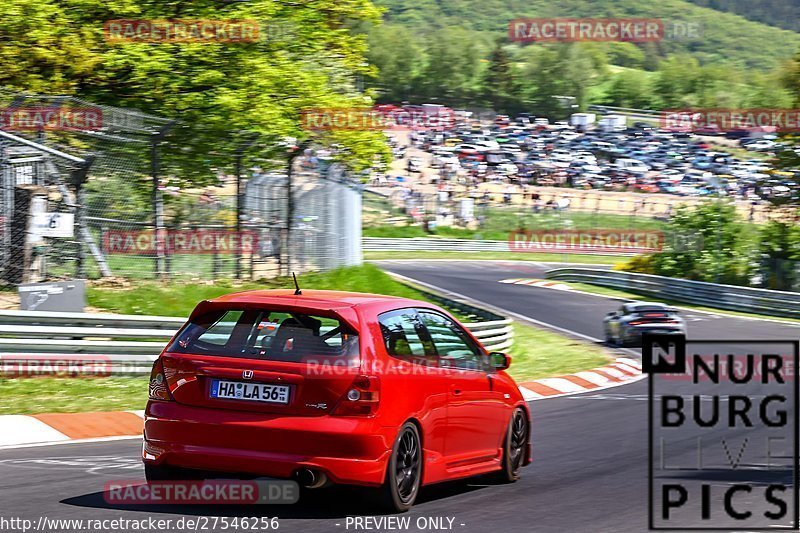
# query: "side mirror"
[[499, 360], [612, 313]]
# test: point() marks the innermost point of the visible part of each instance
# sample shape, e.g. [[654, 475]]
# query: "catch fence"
[[127, 198]]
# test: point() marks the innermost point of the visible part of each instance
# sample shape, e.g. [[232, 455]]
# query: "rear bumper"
[[349, 450], [635, 334]]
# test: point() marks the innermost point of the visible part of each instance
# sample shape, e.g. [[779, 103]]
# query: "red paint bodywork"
[[462, 414]]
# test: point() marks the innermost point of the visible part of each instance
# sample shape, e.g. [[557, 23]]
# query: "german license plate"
[[254, 392]]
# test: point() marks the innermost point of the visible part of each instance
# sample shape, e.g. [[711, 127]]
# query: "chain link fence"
[[117, 198]]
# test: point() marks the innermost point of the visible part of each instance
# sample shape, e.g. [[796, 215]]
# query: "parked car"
[[631, 165], [332, 387], [761, 145]]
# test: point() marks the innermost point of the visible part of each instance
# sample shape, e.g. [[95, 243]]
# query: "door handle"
[[456, 392]]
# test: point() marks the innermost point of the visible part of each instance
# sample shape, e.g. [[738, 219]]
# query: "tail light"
[[361, 398], [158, 383]]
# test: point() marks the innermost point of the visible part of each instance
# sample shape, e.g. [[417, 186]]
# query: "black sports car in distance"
[[624, 327]]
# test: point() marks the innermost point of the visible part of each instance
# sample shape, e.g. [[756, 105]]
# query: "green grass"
[[181, 266], [72, 395], [500, 256], [539, 353], [499, 222], [179, 298]]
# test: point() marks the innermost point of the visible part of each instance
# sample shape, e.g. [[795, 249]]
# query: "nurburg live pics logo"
[[722, 433]]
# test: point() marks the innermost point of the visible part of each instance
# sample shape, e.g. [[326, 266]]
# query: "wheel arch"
[[413, 420]]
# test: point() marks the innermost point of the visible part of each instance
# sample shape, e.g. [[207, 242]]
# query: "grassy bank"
[[499, 222], [72, 395], [539, 353], [179, 298]]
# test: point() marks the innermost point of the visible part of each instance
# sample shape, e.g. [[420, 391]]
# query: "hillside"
[[781, 13], [726, 37]]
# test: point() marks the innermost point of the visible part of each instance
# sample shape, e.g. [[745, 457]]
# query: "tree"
[[500, 85], [780, 254], [212, 88], [631, 89], [704, 243], [676, 81], [564, 70], [399, 61], [453, 65]]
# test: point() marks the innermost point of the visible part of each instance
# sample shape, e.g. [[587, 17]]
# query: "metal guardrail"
[[730, 297], [36, 342], [495, 335], [430, 244], [626, 111]]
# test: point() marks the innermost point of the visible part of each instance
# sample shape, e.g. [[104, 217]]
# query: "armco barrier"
[[128, 344], [430, 244], [730, 297]]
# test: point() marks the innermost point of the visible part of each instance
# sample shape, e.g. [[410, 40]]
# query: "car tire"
[[515, 445], [404, 471]]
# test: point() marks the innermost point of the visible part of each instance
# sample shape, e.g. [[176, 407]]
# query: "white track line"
[[593, 377], [22, 429], [561, 384]]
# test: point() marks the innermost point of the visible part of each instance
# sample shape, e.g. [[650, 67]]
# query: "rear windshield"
[[273, 335]]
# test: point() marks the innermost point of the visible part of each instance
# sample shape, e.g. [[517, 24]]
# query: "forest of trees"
[[458, 52], [457, 68], [781, 13], [340, 53]]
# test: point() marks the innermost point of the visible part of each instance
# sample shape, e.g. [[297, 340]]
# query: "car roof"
[[340, 303], [314, 298]]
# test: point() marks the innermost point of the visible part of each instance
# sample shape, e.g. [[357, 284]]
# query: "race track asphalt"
[[590, 450]]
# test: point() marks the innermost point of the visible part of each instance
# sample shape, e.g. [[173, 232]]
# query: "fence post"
[[158, 210], [158, 202], [19, 249], [78, 179], [240, 200], [237, 257], [293, 153]]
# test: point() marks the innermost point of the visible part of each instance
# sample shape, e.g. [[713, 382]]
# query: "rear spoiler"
[[664, 310], [345, 314]]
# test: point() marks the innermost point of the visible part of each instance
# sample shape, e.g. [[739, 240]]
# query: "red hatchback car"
[[332, 387]]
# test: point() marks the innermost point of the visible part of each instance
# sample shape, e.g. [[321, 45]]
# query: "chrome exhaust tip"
[[311, 479]]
